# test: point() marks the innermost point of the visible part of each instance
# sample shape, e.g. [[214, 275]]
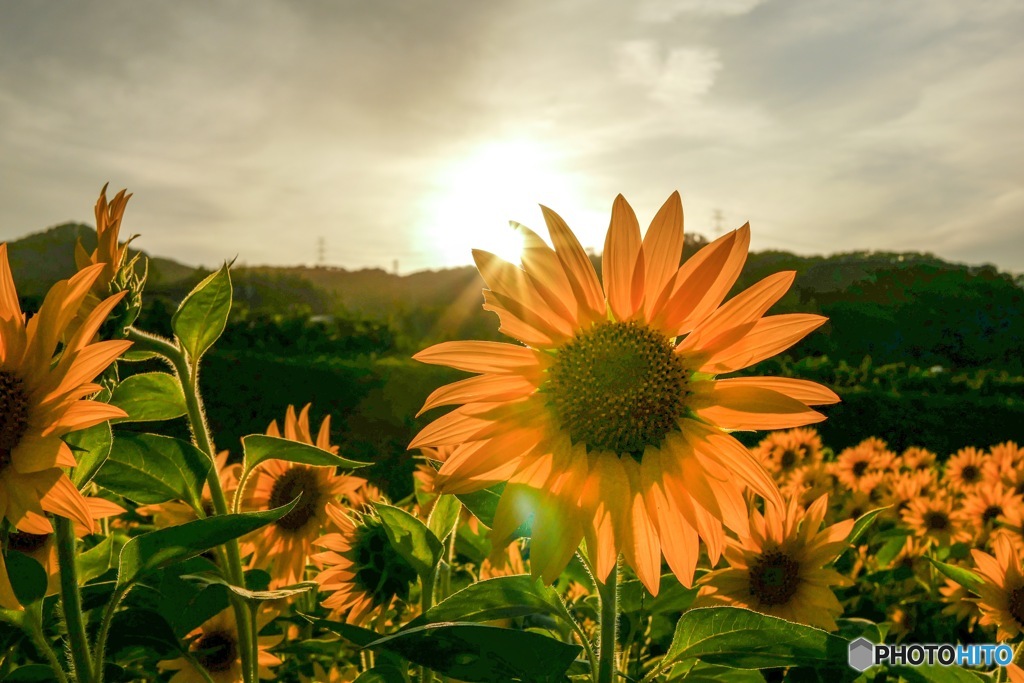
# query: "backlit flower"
[[935, 520], [965, 470], [283, 546], [1002, 593], [215, 646], [608, 422], [43, 399], [781, 567]]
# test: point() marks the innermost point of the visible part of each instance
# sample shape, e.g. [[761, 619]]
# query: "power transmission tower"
[[321, 251], [718, 216]]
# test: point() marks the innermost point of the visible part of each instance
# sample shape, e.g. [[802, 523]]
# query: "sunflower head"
[[362, 571], [14, 413]]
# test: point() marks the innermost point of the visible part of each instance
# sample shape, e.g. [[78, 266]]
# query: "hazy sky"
[[414, 130]]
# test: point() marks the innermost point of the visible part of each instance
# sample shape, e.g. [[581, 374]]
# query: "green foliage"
[[504, 597], [259, 448], [91, 447], [163, 547], [150, 468], [411, 539], [202, 316], [473, 652], [149, 397]]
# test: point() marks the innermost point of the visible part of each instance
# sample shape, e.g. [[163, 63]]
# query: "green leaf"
[[202, 316], [381, 674], [863, 523], [91, 447], [444, 516], [260, 447], [357, 635], [477, 653], [712, 673], [672, 597], [889, 550], [964, 577], [744, 639], [163, 547], [504, 597], [483, 503], [411, 539], [149, 397], [33, 673], [142, 628], [150, 468], [254, 595], [28, 578], [96, 561]]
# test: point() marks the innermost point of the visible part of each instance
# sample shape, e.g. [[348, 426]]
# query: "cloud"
[[660, 11], [679, 74]]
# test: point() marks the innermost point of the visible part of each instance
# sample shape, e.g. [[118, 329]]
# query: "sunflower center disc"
[[296, 482], [774, 578], [13, 414], [382, 573], [991, 513], [936, 520], [970, 474], [789, 457], [618, 387], [24, 542], [1015, 604], [216, 651]]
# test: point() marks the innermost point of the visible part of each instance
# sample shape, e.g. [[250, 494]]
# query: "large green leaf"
[[863, 523], [483, 503], [965, 577], [444, 515], [150, 468], [149, 397], [163, 547], [202, 316], [381, 674], [699, 672], [504, 597], [260, 447], [27, 577], [477, 653], [91, 447], [411, 539], [95, 562], [142, 628], [743, 639], [935, 673]]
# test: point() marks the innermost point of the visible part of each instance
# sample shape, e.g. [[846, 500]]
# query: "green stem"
[[71, 600], [426, 602], [35, 630], [101, 637], [188, 375], [609, 594]]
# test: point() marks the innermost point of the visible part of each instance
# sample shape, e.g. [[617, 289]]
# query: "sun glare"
[[480, 193]]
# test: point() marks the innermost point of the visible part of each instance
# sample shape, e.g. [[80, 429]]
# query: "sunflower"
[[1008, 454], [175, 512], [1001, 596], [109, 252], [215, 646], [780, 568], [41, 548], [784, 452], [858, 461], [965, 470], [504, 562], [986, 507], [959, 603], [361, 570], [915, 458], [41, 400], [604, 425], [809, 483], [935, 520], [283, 547]]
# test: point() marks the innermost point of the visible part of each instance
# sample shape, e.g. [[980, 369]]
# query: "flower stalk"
[[609, 594], [71, 600]]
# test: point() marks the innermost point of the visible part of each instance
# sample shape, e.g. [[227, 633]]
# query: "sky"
[[381, 131]]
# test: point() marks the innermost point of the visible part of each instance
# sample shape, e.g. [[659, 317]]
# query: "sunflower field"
[[582, 508]]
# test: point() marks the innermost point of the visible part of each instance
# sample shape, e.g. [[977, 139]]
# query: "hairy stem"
[[71, 600], [609, 594], [35, 631]]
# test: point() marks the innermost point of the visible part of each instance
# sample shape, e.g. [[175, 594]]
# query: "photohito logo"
[[864, 654]]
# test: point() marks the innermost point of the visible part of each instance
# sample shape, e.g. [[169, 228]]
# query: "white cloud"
[[682, 73], [660, 11]]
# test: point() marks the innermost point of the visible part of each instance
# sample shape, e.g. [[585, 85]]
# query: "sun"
[[479, 193]]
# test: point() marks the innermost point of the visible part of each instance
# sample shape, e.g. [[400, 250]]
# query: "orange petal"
[[578, 269], [62, 498], [767, 337], [483, 356], [541, 262], [621, 248], [810, 393], [482, 388], [662, 249], [748, 407]]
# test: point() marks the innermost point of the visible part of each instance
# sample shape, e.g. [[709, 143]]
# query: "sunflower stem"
[[188, 375], [101, 636], [71, 600], [609, 594], [35, 631]]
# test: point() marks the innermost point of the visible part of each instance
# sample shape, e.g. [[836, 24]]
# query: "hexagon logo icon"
[[862, 654]]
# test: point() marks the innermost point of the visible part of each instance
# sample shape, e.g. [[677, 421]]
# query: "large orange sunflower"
[[608, 422], [42, 399], [284, 546]]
